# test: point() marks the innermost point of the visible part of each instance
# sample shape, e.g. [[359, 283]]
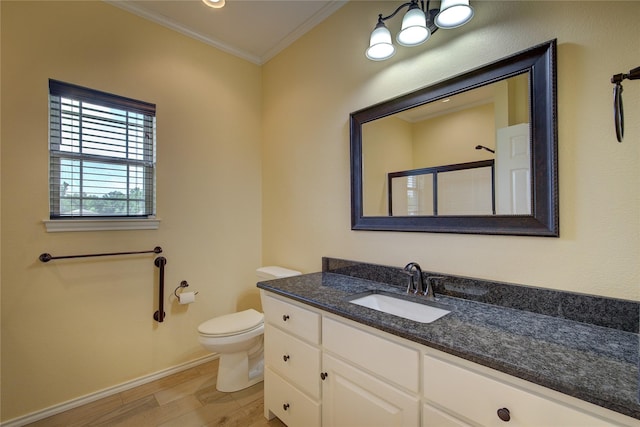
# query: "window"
[[101, 154]]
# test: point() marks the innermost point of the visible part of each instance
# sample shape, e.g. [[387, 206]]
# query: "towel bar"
[[45, 257]]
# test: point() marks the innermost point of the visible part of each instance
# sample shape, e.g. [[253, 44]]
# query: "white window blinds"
[[102, 154]]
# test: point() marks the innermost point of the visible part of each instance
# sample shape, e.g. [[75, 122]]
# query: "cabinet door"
[[351, 397], [433, 417], [373, 353]]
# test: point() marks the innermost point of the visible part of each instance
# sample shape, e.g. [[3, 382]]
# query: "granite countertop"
[[590, 362]]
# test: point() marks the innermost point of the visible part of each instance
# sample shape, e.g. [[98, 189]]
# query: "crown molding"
[[305, 27], [314, 20]]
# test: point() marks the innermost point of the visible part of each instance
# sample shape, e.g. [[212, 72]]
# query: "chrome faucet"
[[416, 288], [429, 286], [423, 286]]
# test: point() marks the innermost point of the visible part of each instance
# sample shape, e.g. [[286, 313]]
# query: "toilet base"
[[238, 371]]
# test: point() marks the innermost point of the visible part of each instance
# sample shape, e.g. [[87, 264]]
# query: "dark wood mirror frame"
[[540, 62]]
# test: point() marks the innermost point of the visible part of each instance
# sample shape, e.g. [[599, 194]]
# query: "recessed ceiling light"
[[216, 4]]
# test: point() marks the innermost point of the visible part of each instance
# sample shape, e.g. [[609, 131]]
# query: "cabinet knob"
[[323, 375], [285, 317], [285, 357], [504, 414], [285, 406]]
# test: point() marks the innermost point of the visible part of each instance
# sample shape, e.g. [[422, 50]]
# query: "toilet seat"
[[232, 324]]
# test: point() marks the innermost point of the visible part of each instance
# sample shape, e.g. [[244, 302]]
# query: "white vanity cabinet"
[[292, 363], [324, 370]]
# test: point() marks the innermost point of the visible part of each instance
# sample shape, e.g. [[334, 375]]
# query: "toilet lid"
[[233, 323]]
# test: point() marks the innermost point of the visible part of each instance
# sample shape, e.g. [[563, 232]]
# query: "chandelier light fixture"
[[417, 25]]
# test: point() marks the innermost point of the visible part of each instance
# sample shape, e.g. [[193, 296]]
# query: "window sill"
[[54, 226]]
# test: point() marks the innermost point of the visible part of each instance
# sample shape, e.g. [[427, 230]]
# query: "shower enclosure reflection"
[[462, 189]]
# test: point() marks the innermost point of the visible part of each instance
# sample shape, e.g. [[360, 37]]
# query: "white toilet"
[[238, 339]]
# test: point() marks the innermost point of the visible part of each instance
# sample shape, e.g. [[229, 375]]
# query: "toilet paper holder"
[[182, 285]]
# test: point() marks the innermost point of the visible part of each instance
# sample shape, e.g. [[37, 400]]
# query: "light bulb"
[[454, 13], [216, 4], [380, 46], [414, 28]]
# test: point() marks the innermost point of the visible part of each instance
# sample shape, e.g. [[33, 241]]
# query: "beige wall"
[[377, 162], [311, 88], [452, 138], [73, 327]]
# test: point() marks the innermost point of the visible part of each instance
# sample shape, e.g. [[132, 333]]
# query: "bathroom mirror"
[[476, 153]]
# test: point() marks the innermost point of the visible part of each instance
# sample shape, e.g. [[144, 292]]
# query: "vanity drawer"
[[294, 319], [384, 358], [292, 406], [294, 359], [478, 398]]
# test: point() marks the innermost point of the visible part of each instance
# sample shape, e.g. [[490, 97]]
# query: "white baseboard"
[[110, 391]]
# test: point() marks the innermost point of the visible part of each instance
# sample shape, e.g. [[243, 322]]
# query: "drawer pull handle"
[[285, 317], [285, 357], [285, 406], [504, 414], [324, 375]]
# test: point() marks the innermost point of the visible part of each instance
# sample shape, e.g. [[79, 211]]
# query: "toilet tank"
[[275, 272]]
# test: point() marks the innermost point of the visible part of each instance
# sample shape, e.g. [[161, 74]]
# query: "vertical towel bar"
[[159, 315]]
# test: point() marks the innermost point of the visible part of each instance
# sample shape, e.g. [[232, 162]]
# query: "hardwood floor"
[[188, 398]]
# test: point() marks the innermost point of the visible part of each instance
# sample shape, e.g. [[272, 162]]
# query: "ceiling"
[[255, 30], [461, 101]]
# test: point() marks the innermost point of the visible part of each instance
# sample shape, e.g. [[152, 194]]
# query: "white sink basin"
[[416, 311]]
